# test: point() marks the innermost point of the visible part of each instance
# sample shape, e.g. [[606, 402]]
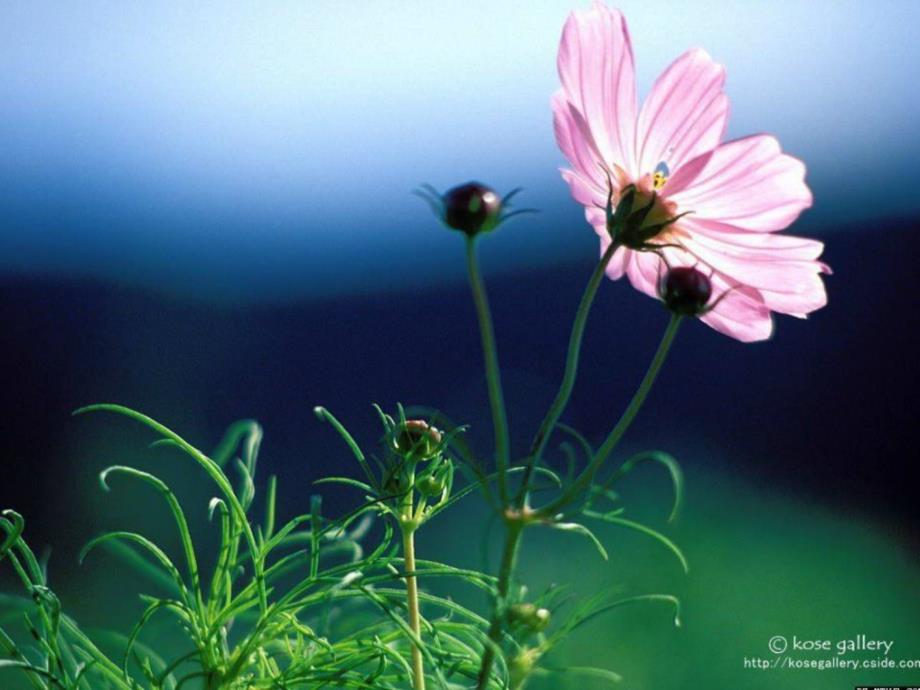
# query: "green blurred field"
[[761, 565]]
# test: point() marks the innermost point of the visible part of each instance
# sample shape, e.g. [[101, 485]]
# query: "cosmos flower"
[[716, 206]]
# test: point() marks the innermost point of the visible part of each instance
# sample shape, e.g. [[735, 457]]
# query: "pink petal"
[[644, 270], [798, 305], [592, 198], [596, 66], [617, 266], [782, 269], [597, 218], [748, 183], [742, 313], [584, 192], [791, 246], [576, 143], [685, 114]]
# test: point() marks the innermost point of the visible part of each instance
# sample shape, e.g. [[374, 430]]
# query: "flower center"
[[661, 175]]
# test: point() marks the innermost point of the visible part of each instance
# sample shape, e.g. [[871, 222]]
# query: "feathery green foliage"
[[346, 601], [258, 617]]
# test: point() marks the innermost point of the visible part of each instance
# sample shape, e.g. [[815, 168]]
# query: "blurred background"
[[205, 214]]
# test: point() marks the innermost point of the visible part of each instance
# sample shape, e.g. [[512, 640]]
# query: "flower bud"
[[430, 485], [521, 665], [435, 479], [541, 620], [639, 216], [472, 208], [528, 616], [416, 440], [686, 291]]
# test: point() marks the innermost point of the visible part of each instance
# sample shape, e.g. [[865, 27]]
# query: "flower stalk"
[[583, 480], [515, 529], [493, 373], [568, 378], [408, 525], [517, 520]]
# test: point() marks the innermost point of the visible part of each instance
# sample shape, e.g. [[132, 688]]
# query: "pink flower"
[[736, 194]]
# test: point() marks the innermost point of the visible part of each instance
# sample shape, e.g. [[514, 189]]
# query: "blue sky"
[[250, 151]]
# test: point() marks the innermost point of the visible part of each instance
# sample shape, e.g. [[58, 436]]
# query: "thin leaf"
[[174, 507], [641, 598], [639, 527], [668, 461], [589, 671], [578, 528], [325, 415]]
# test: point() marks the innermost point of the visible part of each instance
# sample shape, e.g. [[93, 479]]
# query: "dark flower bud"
[[686, 291], [472, 208], [415, 439]]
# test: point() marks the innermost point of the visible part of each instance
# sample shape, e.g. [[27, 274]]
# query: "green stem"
[[568, 379], [408, 525], [493, 373], [613, 438], [506, 571]]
